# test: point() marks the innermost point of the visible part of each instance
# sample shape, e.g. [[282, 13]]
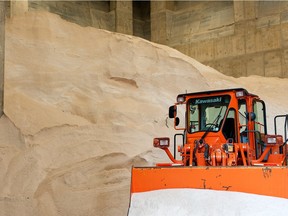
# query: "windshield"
[[207, 113]]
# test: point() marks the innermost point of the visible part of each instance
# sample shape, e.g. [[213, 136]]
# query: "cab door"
[[260, 125]]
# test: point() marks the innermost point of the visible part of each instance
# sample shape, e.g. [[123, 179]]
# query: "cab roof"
[[246, 93]]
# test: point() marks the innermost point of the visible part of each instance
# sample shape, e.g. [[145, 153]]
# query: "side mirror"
[[177, 121], [251, 116], [172, 111]]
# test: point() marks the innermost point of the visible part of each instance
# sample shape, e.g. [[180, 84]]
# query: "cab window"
[[206, 113], [260, 122]]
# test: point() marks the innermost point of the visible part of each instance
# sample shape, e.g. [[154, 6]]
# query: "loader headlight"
[[271, 140], [162, 142], [180, 99], [274, 139], [239, 93]]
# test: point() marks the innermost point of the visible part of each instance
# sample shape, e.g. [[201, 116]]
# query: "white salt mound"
[[185, 202]]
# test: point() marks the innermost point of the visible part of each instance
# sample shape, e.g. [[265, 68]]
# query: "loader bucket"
[[270, 181]]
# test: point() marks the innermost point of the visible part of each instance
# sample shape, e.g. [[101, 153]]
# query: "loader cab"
[[231, 114]]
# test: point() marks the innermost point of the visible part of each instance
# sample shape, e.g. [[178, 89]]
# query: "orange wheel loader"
[[223, 145]]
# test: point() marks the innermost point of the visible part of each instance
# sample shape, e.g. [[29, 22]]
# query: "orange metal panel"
[[271, 181]]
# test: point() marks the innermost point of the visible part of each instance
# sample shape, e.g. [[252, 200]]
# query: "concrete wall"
[[238, 38], [2, 49], [141, 19]]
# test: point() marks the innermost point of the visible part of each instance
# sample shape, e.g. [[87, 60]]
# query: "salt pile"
[[184, 202], [82, 106]]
